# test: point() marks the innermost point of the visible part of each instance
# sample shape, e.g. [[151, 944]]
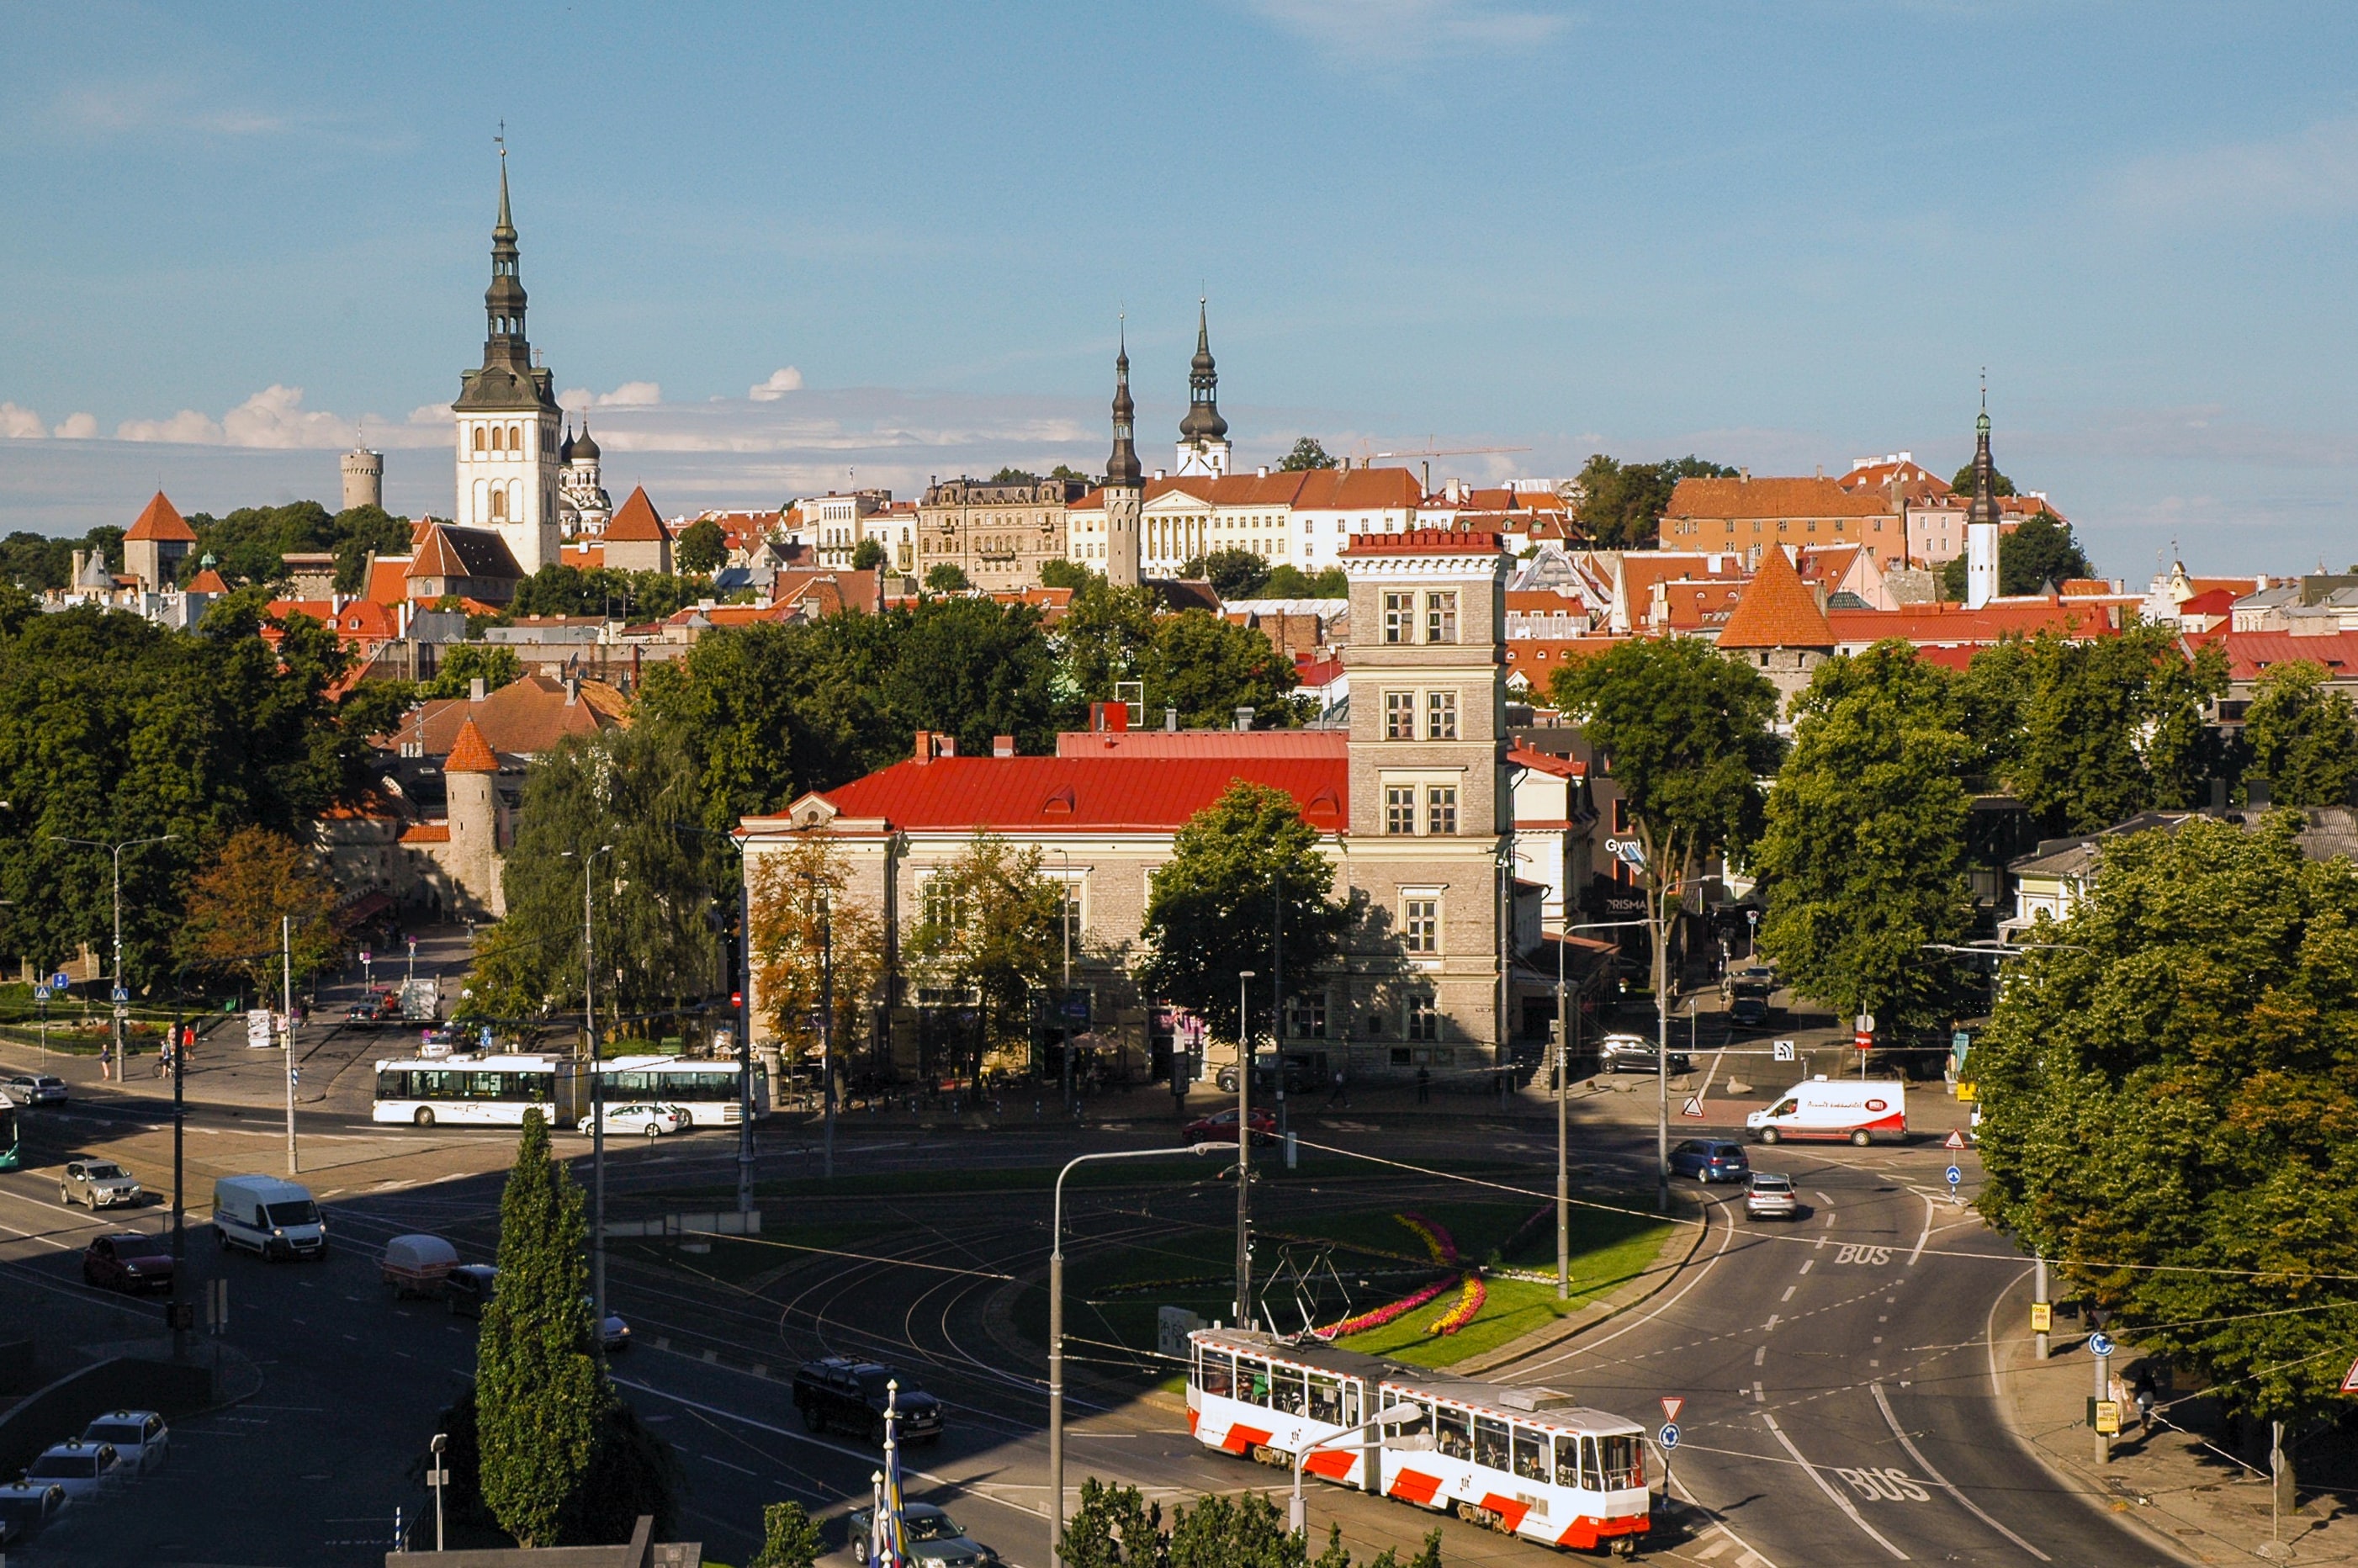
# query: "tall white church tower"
[[1203, 435], [507, 415]]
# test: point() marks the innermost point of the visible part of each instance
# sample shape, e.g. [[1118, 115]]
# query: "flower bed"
[[1435, 1237], [1469, 1301], [1384, 1314]]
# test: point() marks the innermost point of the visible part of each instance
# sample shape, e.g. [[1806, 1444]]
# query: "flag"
[[893, 1550]]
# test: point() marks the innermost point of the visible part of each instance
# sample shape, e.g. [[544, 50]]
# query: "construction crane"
[[1426, 455]]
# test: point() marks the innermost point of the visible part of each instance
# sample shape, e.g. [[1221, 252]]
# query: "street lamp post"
[[596, 1098], [1244, 1153], [116, 850], [1056, 1338], [1065, 998], [1296, 1515], [1562, 1090]]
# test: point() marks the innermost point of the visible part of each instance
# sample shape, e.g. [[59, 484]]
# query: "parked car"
[[139, 1438], [83, 1469], [128, 1261], [25, 1507], [837, 1391], [1297, 1077], [35, 1088], [1635, 1054], [468, 1288], [648, 1120], [615, 1332], [1221, 1128], [1770, 1196], [932, 1537], [101, 1184], [417, 1265], [1710, 1160]]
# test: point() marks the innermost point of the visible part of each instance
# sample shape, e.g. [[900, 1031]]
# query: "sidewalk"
[[2197, 1501]]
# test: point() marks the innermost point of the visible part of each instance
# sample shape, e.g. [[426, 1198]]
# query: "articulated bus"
[[496, 1090], [1527, 1462]]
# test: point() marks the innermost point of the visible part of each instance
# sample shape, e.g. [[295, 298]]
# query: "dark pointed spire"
[[503, 301], [1203, 421], [505, 227], [1984, 507], [1123, 468]]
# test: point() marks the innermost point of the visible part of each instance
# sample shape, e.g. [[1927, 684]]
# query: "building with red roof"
[[637, 539], [155, 544]]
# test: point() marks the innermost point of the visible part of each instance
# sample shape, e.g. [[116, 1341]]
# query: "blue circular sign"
[[2100, 1344], [1955, 1176], [1668, 1435]]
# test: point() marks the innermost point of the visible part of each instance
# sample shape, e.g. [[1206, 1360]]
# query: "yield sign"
[[1694, 1107], [2350, 1383], [1956, 1139], [1674, 1404]]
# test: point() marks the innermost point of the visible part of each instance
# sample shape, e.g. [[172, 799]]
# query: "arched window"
[[515, 439], [499, 503], [478, 437]]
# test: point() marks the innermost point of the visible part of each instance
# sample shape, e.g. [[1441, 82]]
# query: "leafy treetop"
[[1307, 454], [1621, 503], [702, 547]]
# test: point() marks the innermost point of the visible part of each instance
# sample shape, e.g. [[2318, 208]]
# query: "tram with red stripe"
[[1531, 1462]]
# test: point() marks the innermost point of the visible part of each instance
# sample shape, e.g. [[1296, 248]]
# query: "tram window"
[[1491, 1443], [1591, 1475], [1285, 1389], [1624, 1462], [1417, 1433], [1252, 1380], [1530, 1454], [1218, 1373], [1325, 1399], [1567, 1462], [1453, 1433], [1351, 1416]]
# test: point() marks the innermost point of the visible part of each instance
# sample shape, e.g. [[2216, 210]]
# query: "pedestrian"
[[1335, 1093], [1424, 1085]]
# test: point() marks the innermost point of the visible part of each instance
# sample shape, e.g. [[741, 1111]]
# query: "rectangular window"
[[1530, 1454], [1399, 615], [943, 904], [1620, 818], [1441, 617], [1399, 808], [1423, 1018], [1441, 716], [1420, 923], [1399, 716], [1491, 1443], [1453, 1433], [1218, 1372], [1305, 1016], [1441, 809]]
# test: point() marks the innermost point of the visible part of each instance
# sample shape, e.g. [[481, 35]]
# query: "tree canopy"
[[1242, 871], [809, 929], [989, 923], [1116, 1527], [947, 576], [560, 589], [235, 903], [1621, 503], [868, 556], [1287, 580], [1207, 667], [460, 664], [251, 544], [1233, 574], [1060, 573], [701, 549], [1307, 454], [2167, 1092], [2303, 736], [1961, 481]]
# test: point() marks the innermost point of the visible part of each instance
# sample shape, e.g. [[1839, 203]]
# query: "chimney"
[[1117, 717], [1002, 745], [1244, 718], [1821, 471], [944, 743], [1744, 476], [1264, 470], [475, 689], [924, 752], [572, 689]]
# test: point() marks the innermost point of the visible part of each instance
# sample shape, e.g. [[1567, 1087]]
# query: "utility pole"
[[1661, 1049], [181, 1312], [116, 850], [597, 1098], [744, 1047], [1244, 1153], [1277, 984], [827, 1040], [1065, 998], [287, 1001]]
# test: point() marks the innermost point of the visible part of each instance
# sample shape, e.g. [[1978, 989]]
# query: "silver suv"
[[101, 1184], [1770, 1196]]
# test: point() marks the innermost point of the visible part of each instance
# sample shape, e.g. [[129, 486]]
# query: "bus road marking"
[[1849, 1509], [1883, 1404]]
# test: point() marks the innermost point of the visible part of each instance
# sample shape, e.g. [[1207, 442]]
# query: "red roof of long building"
[[1100, 793], [1955, 625], [2251, 654]]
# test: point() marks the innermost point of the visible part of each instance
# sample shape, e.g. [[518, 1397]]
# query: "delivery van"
[[265, 1215], [1856, 1109]]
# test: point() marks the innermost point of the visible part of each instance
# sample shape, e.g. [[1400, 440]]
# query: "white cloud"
[[188, 427], [781, 381], [1391, 34], [20, 424], [276, 416], [78, 428], [630, 394], [2311, 173], [119, 108]]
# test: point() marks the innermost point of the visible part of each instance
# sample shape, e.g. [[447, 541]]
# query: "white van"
[[265, 1215], [1855, 1109]]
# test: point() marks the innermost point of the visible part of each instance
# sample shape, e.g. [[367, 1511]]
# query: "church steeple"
[[1985, 508], [503, 301], [1982, 518], [1203, 421], [1123, 468]]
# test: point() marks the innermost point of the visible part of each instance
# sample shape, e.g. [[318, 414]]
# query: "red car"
[[1222, 1128], [128, 1261]]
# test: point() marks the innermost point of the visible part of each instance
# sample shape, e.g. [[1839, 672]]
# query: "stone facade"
[[999, 535]]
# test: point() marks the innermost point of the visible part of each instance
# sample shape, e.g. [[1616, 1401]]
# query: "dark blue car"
[[1708, 1159]]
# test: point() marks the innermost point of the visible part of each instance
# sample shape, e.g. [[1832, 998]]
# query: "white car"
[[139, 1438], [650, 1120], [35, 1088], [83, 1469]]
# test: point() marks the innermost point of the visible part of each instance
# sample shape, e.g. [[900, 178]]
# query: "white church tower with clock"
[[507, 415]]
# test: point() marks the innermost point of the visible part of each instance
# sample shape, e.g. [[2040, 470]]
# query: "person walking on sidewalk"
[[1338, 1094], [1423, 1086]]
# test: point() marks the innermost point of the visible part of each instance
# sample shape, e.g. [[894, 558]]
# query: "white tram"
[[1527, 1462]]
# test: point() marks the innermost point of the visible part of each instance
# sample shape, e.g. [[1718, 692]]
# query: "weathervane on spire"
[[500, 140]]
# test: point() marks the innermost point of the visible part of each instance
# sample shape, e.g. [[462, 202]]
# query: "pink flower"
[[1384, 1314]]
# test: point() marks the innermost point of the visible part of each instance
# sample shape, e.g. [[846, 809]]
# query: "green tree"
[[1961, 481], [989, 923], [359, 532], [1103, 638], [1233, 574], [1307, 454], [1066, 574], [701, 548], [947, 576], [790, 1538], [2303, 736], [1014, 476], [1287, 580], [1239, 870], [2041, 551], [539, 1394], [2167, 1092], [1115, 1527], [234, 906], [1621, 504], [249, 544], [1685, 731], [1207, 667], [814, 941], [1864, 848], [974, 669], [868, 556], [460, 664], [1071, 475]]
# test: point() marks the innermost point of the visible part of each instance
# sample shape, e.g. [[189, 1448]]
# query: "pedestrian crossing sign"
[[1692, 1109], [2349, 1380]]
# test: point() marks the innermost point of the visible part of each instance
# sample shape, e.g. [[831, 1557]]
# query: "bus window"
[[1252, 1380], [1567, 1462], [1530, 1454], [1326, 1399], [1218, 1372], [1285, 1389], [1591, 1475], [1624, 1462], [1491, 1443], [1453, 1433], [392, 1084]]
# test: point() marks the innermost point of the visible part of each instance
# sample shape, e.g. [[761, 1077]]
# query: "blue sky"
[[1779, 235]]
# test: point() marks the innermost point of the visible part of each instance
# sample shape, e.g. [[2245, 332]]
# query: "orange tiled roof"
[[1540, 657], [387, 579], [636, 522], [1717, 498], [427, 833], [208, 581], [523, 719], [1778, 610], [447, 551], [162, 521], [470, 753]]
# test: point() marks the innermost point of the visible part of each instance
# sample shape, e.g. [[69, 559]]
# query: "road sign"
[[2100, 1344], [2042, 1321], [1864, 1040], [1967, 1092], [1955, 1140], [1668, 1435], [58, 981], [121, 1012], [40, 993], [121, 994], [1864, 1024], [1692, 1109], [2108, 1416], [2349, 1380], [364, 956], [1671, 1405], [1782, 1051], [1955, 1175]]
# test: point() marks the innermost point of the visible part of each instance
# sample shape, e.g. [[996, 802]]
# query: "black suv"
[[1299, 1078], [849, 1396]]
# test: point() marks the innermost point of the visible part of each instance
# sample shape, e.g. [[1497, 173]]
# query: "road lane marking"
[[1821, 1197], [1806, 1262], [1760, 1357], [716, 1459], [1883, 1404], [1924, 1236], [1758, 1396], [1789, 1293], [1728, 1235], [1772, 1322], [1848, 1506]]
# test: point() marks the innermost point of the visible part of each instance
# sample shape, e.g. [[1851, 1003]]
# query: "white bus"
[[494, 1090], [1527, 1462]]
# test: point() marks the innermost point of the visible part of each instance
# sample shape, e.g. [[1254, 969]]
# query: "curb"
[[1634, 1293]]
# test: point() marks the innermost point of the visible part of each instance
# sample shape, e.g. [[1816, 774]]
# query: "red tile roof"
[[1917, 483], [523, 719], [636, 522], [2083, 587], [1264, 744], [448, 551], [2252, 653], [1133, 794], [1522, 756], [1955, 625], [2211, 601], [1540, 657], [582, 555], [427, 833], [1316, 490], [1718, 498], [208, 581], [1778, 610], [387, 579], [470, 753], [161, 521]]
